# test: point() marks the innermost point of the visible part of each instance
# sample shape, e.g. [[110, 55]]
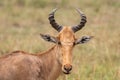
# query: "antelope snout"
[[67, 68]]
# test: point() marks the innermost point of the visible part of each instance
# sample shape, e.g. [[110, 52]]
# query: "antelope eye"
[[73, 43], [59, 43]]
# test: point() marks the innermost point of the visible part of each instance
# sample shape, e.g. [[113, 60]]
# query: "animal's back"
[[20, 66]]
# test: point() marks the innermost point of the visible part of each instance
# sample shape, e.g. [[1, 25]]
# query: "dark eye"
[[74, 43], [59, 43]]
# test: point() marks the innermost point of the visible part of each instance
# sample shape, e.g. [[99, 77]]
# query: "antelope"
[[20, 65]]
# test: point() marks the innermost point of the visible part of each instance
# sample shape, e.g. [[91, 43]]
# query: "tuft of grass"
[[38, 3]]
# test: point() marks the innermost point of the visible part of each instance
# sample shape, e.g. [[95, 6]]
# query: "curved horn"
[[53, 22], [82, 23]]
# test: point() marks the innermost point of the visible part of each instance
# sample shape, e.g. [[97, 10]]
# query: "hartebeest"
[[48, 65]]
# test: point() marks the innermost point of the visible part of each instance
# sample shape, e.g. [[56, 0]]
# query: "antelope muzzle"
[[67, 69]]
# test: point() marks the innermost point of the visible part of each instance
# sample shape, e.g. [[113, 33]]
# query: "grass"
[[21, 22]]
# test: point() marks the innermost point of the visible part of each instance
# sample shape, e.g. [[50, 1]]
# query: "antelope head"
[[66, 40]]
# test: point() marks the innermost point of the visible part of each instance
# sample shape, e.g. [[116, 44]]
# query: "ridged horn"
[[53, 22], [82, 22]]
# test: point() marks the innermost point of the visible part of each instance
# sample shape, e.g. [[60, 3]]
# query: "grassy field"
[[21, 22]]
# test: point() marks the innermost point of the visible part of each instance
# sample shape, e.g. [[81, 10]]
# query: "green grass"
[[21, 22]]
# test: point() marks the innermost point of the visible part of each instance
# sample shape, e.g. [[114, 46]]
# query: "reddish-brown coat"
[[20, 65]]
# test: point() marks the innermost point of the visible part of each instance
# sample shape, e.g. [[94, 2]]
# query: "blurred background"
[[21, 22]]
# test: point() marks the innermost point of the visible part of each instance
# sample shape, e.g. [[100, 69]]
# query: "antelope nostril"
[[67, 67]]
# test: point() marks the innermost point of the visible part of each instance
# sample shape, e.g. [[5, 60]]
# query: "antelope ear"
[[84, 39], [49, 38]]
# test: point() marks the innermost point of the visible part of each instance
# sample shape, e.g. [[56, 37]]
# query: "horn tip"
[[53, 11], [79, 11]]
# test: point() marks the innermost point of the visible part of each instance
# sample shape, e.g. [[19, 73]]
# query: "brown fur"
[[20, 65], [23, 66]]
